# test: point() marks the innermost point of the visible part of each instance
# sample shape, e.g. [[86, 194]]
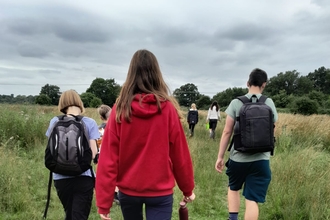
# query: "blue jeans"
[[156, 208]]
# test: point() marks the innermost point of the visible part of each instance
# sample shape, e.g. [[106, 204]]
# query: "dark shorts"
[[255, 176]]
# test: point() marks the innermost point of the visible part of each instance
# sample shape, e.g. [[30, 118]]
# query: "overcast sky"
[[213, 44]]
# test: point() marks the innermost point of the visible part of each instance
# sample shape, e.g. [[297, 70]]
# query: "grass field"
[[299, 189]]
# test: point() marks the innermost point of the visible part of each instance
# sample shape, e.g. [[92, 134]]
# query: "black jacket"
[[192, 116]]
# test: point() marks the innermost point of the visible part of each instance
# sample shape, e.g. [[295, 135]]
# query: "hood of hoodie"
[[145, 105]]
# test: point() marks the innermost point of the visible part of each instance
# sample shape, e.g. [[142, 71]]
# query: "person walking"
[[144, 148], [104, 112], [192, 119], [76, 192], [249, 169], [213, 116]]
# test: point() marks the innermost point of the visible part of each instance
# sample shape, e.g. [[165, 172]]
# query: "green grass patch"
[[300, 169]]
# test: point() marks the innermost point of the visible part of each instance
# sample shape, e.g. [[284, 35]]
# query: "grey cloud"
[[80, 32], [321, 2], [214, 49], [46, 71], [247, 32], [31, 50], [310, 24], [171, 36], [25, 26], [68, 24]]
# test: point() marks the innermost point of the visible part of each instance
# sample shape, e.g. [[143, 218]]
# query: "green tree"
[[304, 86], [317, 96], [52, 91], [304, 105], [224, 98], [95, 102], [20, 99], [7, 98], [203, 102], [187, 94], [31, 99], [86, 98], [283, 81], [105, 89], [321, 79], [281, 100], [327, 103], [43, 99]]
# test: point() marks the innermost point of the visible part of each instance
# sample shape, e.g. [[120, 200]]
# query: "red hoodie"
[[144, 157]]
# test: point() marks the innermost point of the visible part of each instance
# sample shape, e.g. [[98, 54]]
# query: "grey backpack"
[[68, 151]]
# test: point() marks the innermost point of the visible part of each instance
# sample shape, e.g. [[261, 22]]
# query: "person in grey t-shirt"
[[250, 170]]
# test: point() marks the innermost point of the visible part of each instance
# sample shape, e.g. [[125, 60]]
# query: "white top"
[[213, 114]]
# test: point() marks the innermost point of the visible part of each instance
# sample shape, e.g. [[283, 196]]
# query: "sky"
[[213, 44]]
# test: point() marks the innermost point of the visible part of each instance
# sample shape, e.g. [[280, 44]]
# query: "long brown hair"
[[144, 76]]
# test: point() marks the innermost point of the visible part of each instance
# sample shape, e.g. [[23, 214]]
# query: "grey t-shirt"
[[233, 112]]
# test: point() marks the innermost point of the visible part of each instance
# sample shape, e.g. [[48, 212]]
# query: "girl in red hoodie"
[[144, 148]]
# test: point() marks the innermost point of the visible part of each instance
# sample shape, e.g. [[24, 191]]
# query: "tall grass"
[[300, 169]]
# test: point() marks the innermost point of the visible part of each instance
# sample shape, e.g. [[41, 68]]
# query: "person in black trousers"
[[192, 119]]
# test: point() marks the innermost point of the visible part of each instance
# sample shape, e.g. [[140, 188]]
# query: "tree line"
[[290, 91]]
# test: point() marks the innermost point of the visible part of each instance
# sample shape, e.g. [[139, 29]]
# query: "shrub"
[[43, 100], [304, 106]]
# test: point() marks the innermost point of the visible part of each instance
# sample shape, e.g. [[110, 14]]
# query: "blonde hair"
[[104, 111], [144, 76], [193, 106], [70, 98]]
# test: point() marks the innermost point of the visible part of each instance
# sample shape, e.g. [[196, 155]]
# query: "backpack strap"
[[262, 98], [243, 99], [60, 117], [77, 117], [48, 194]]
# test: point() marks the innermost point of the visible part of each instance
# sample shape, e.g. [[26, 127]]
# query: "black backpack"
[[193, 117], [254, 127], [68, 151]]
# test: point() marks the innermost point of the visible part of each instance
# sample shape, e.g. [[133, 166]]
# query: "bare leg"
[[233, 200], [251, 210]]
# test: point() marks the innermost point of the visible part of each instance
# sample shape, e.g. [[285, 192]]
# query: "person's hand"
[[189, 198], [105, 216], [219, 165]]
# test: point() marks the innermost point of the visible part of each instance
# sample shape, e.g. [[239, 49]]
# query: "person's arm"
[[197, 117], [107, 168], [208, 115], [93, 133], [93, 146], [225, 138], [180, 157]]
